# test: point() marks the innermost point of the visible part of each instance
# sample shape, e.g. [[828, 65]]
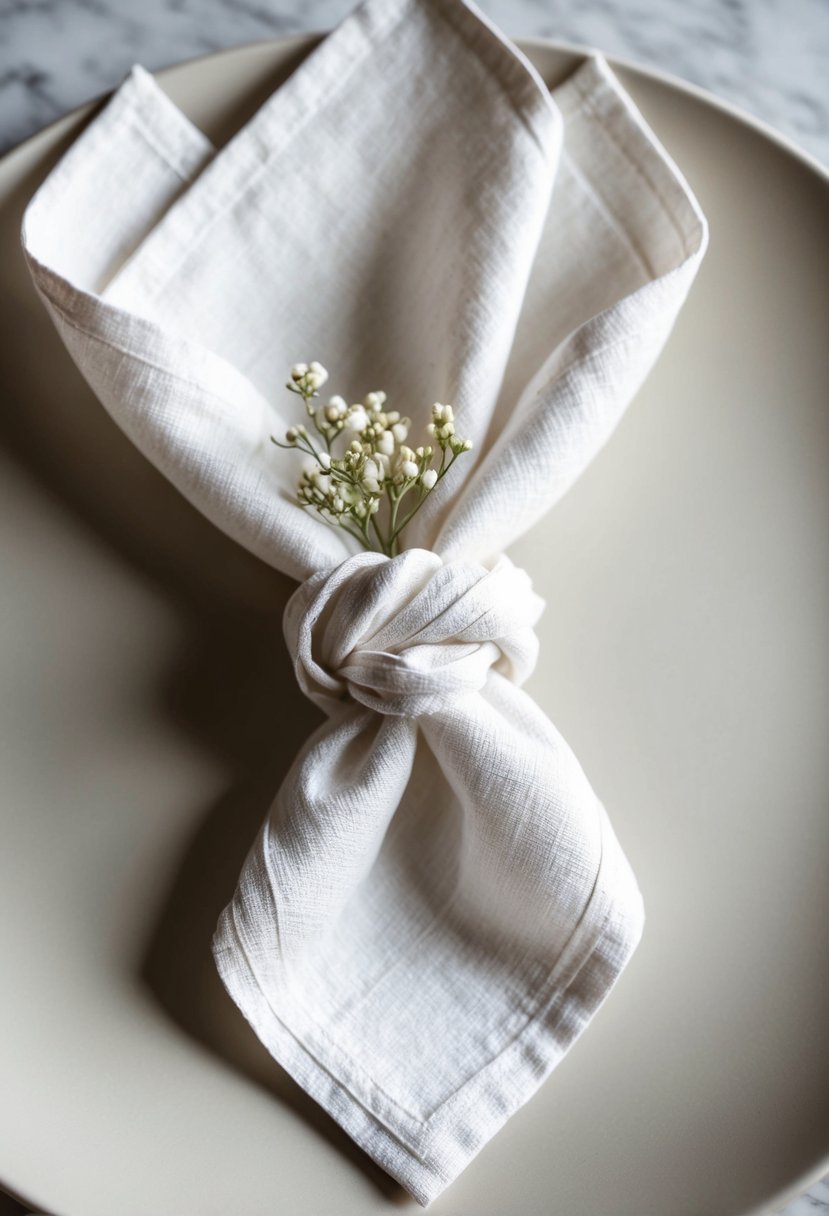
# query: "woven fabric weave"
[[436, 903]]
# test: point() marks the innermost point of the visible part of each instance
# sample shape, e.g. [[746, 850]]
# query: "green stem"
[[370, 521], [391, 544], [299, 446], [331, 524], [310, 449], [380, 538], [443, 469]]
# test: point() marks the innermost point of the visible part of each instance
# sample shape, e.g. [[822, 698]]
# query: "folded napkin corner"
[[436, 904]]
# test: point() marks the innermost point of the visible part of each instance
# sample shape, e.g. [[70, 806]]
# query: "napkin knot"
[[409, 635]]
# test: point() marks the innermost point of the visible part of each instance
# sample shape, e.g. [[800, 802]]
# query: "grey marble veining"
[[815, 1203], [769, 57]]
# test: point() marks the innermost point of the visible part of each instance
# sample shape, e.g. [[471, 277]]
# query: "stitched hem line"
[[427, 1155]]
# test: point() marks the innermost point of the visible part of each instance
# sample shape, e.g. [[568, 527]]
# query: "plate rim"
[[308, 40], [311, 38]]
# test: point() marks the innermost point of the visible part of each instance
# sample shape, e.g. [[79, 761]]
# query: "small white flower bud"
[[429, 478], [356, 419], [291, 434], [385, 443], [399, 431], [325, 460], [316, 369], [408, 468], [336, 409], [298, 371]]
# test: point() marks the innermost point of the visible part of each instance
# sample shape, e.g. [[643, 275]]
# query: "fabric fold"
[[436, 903]]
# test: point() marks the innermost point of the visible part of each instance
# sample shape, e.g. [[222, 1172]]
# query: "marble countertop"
[[768, 57]]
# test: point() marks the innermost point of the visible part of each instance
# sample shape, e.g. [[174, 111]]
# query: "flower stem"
[[442, 471]]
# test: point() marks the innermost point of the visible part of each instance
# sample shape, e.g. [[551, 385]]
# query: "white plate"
[[685, 657]]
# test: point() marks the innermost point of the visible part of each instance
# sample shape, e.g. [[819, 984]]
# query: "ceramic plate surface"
[[148, 712]]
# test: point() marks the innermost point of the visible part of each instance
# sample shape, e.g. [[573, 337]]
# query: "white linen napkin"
[[436, 903]]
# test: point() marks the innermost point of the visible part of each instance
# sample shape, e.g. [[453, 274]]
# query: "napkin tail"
[[452, 956], [583, 981]]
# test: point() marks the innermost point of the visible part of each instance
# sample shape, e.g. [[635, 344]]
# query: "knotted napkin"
[[436, 903]]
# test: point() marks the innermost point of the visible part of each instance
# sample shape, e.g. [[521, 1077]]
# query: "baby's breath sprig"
[[360, 483]]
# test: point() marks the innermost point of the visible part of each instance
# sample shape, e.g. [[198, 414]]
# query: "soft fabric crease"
[[436, 903]]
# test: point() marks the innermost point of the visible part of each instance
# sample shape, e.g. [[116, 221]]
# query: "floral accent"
[[362, 488]]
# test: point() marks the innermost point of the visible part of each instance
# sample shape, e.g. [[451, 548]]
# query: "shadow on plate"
[[231, 687]]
